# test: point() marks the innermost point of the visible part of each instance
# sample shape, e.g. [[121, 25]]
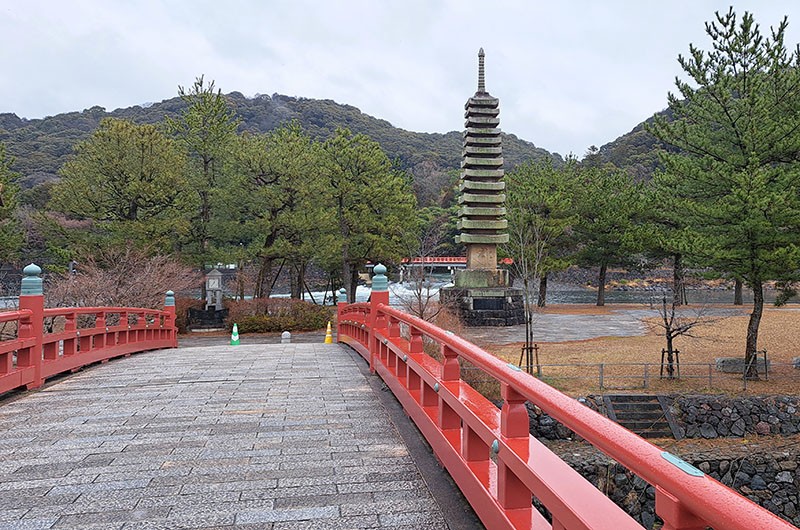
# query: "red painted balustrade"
[[493, 458], [54, 341]]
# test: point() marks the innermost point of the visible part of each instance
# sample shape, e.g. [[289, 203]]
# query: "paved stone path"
[[253, 436]]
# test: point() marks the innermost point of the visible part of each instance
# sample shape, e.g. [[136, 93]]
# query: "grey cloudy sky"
[[568, 73]]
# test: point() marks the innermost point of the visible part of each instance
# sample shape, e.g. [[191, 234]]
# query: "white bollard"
[[286, 337]]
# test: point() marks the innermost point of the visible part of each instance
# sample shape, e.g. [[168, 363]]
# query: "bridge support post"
[[379, 296], [32, 298]]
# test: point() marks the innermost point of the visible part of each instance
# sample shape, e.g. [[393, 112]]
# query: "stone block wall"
[[721, 416], [770, 479]]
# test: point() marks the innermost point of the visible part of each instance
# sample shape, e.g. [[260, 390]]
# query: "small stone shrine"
[[482, 292]]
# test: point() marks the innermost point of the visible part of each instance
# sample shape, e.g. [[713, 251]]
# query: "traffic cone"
[[328, 335], [235, 336]]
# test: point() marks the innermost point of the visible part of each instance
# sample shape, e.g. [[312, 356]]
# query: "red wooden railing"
[[84, 335], [493, 458]]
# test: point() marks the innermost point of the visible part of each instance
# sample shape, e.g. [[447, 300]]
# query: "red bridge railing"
[[52, 341], [490, 453]]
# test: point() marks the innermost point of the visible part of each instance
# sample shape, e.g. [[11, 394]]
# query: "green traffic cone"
[[235, 336]]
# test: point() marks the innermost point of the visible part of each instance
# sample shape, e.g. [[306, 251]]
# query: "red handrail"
[[34, 354], [462, 427]]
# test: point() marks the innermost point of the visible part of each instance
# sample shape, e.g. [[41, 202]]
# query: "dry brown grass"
[[724, 337]]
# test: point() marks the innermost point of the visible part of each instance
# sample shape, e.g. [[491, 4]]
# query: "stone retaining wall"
[[770, 479], [767, 471], [703, 416], [720, 416]]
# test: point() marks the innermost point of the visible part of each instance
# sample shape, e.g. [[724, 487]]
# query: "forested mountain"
[[41, 146], [636, 152]]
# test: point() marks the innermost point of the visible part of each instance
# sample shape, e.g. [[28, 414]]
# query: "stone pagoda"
[[482, 292]]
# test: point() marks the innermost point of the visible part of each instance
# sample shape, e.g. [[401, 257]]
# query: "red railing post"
[[674, 514], [100, 324], [451, 371], [170, 323], [32, 298], [512, 493], [378, 296]]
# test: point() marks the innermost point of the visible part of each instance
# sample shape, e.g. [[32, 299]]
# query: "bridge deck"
[[250, 436]]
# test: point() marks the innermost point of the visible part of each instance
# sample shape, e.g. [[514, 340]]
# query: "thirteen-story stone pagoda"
[[482, 292]]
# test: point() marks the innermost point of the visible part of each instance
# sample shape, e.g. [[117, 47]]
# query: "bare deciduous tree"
[[121, 277]]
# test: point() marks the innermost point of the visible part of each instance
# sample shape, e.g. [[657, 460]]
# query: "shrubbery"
[[266, 315]]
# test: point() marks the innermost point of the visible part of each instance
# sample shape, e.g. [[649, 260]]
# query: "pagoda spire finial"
[[481, 78]]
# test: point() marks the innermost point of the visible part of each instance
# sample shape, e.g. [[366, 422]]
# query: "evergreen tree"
[[736, 123], [276, 194], [372, 202], [541, 214], [207, 130], [129, 181], [609, 204]]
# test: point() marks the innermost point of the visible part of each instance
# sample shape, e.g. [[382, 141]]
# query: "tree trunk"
[[296, 286], [678, 280], [353, 282], [670, 357], [263, 278], [542, 291], [347, 281], [752, 331], [737, 292], [601, 287]]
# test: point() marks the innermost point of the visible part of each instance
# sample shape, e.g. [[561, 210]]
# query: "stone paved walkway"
[[252, 436]]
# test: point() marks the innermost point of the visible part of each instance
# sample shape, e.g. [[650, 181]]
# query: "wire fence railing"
[[651, 377]]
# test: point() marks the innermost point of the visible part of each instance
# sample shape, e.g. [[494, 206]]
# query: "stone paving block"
[[299, 514], [427, 520], [30, 524], [115, 518], [341, 523], [324, 500], [188, 500]]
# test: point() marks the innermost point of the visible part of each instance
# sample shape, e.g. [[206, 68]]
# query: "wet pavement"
[[560, 327]]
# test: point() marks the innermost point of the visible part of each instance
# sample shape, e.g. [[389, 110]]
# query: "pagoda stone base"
[[481, 297], [486, 306]]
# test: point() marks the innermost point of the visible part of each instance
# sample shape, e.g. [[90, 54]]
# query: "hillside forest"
[[278, 185]]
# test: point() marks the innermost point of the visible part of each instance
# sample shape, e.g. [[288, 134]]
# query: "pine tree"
[[736, 123], [206, 129]]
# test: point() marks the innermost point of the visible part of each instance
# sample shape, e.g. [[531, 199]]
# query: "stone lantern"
[[214, 290]]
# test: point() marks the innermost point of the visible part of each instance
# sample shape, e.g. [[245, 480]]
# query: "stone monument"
[[482, 292]]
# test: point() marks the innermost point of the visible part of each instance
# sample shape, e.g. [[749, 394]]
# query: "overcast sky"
[[569, 74]]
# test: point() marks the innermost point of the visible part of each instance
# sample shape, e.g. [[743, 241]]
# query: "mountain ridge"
[[40, 146]]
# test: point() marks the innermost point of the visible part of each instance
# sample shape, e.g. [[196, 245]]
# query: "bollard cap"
[[169, 299], [32, 282], [379, 281]]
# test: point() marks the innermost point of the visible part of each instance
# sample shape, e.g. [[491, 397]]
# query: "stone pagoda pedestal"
[[484, 298]]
